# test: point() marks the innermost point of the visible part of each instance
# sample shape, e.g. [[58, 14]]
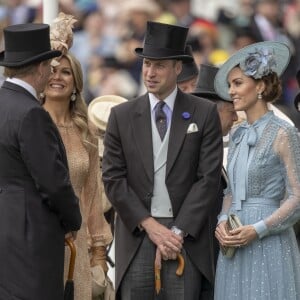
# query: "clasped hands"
[[169, 244], [238, 237]]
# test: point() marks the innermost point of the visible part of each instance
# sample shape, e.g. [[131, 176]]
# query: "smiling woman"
[[62, 98], [264, 182]]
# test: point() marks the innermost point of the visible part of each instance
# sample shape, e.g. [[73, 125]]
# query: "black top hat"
[[26, 44], [189, 69], [205, 85], [164, 41]]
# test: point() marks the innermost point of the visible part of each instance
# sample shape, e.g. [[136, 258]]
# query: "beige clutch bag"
[[233, 222]]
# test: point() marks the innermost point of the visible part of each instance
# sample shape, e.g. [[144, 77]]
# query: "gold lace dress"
[[85, 178]]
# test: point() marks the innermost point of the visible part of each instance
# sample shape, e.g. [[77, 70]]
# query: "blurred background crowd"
[[107, 32]]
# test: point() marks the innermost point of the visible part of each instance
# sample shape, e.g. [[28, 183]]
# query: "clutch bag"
[[233, 222]]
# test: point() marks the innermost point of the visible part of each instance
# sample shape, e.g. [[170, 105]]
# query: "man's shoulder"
[[18, 102], [131, 105]]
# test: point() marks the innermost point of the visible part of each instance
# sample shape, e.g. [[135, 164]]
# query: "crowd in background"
[[107, 32]]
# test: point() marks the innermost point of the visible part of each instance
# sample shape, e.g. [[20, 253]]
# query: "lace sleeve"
[[98, 229], [287, 146], [227, 201]]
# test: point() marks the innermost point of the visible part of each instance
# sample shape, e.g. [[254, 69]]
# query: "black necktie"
[[161, 119]]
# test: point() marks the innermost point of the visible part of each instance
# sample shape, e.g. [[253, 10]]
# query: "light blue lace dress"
[[264, 190]]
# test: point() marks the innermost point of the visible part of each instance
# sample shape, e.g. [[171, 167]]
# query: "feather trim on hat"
[[61, 34]]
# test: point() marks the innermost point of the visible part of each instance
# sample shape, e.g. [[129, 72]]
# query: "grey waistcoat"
[[160, 203]]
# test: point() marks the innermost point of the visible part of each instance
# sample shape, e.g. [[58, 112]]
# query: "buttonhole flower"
[[186, 115]]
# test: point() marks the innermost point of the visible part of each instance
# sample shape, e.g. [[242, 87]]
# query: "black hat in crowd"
[[26, 44], [297, 98], [164, 41], [205, 84], [189, 69]]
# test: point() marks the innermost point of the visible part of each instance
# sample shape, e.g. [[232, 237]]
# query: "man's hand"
[[71, 235], [168, 243]]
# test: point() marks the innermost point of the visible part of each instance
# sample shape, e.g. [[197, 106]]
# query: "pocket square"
[[192, 128]]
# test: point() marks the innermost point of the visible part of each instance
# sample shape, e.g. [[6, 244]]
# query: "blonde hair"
[[78, 108]]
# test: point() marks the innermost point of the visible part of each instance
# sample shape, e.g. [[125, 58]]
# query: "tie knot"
[[161, 119], [160, 105]]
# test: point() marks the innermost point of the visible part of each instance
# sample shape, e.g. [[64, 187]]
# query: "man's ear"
[[178, 67]]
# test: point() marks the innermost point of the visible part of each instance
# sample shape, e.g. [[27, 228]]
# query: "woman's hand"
[[221, 232], [99, 257], [239, 237]]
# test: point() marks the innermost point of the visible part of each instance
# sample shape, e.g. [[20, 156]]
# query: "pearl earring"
[[73, 96], [259, 96]]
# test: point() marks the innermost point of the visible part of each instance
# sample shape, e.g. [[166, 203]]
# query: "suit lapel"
[[179, 127], [143, 133]]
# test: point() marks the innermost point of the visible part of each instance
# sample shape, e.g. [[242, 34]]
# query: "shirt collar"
[[23, 84], [170, 100]]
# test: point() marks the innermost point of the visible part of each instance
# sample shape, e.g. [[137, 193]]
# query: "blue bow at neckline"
[[243, 129]]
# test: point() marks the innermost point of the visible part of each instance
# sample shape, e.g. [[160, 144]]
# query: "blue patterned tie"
[[161, 119]]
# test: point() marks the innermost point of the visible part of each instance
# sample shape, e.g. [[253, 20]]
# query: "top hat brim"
[[282, 56], [209, 95], [34, 59], [183, 77], [161, 56]]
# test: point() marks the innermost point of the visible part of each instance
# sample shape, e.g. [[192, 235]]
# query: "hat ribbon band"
[[14, 56], [165, 51]]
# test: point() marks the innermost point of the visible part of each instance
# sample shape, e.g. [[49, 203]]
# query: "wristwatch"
[[178, 231]]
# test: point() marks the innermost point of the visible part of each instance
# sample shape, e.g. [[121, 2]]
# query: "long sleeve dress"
[[95, 231], [264, 191]]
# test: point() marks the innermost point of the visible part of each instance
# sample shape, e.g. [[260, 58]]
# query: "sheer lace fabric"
[[268, 268]]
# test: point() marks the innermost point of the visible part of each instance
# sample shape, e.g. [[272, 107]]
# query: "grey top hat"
[[164, 41], [189, 69], [256, 60], [205, 84], [26, 44]]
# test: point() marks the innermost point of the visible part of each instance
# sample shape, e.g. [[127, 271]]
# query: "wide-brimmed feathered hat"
[[256, 60], [164, 41], [26, 44]]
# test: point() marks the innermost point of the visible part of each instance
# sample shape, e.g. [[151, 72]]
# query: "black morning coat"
[[37, 202]]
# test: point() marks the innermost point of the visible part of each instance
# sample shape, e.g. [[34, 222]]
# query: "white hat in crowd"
[[99, 109]]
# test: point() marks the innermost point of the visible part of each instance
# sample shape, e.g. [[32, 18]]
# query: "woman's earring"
[[259, 96], [42, 96], [73, 96]]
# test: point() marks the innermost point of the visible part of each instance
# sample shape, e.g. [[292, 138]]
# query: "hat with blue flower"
[[256, 60]]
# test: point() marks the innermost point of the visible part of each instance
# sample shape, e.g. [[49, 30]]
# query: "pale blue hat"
[[256, 60]]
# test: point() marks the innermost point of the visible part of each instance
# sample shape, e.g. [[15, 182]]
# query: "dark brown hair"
[[273, 87]]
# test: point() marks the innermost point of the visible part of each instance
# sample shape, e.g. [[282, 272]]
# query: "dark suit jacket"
[[192, 175], [37, 203]]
